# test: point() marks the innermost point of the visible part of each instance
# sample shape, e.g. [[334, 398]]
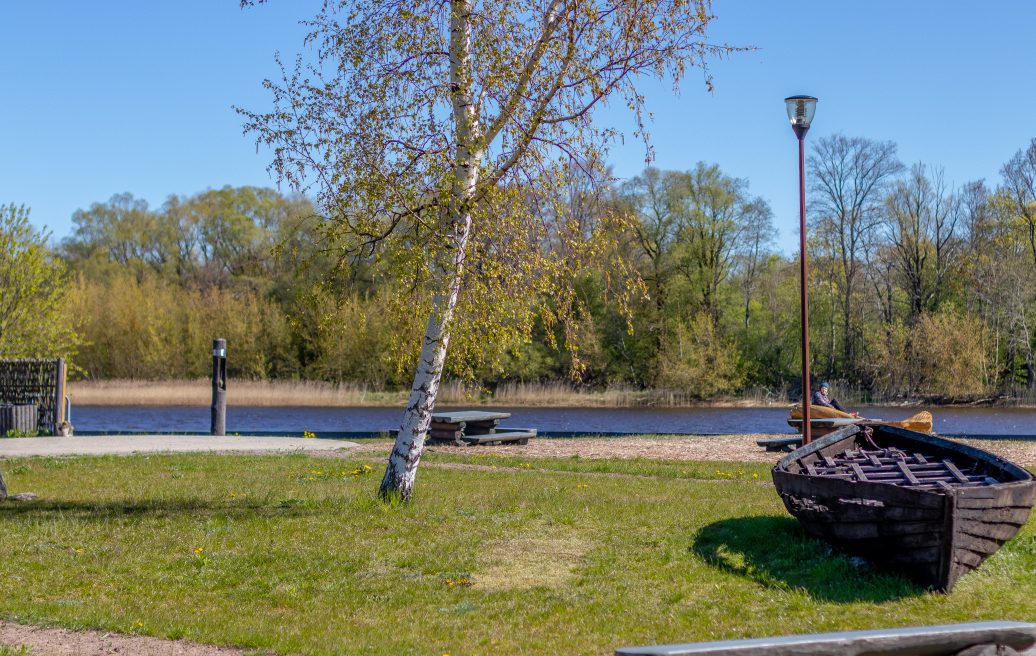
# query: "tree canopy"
[[34, 287], [445, 131]]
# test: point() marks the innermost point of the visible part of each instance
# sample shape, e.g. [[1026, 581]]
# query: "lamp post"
[[800, 113]]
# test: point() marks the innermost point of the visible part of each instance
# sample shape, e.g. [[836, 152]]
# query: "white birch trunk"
[[406, 454]]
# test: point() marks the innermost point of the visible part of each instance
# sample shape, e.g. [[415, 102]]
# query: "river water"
[[562, 421]]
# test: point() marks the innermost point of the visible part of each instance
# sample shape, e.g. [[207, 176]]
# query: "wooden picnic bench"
[[475, 427], [781, 443]]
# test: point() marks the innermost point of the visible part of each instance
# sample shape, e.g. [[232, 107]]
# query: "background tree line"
[[918, 288]]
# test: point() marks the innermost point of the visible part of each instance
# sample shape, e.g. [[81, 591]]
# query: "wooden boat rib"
[[927, 507]]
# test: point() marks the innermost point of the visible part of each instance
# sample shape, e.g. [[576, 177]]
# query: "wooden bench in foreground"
[[970, 639]]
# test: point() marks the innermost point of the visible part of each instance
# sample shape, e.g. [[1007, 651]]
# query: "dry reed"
[[321, 394], [239, 393]]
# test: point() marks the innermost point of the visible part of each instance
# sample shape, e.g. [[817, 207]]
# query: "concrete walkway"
[[129, 444]]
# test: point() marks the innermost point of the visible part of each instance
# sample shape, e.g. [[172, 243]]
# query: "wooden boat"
[[927, 507], [824, 420]]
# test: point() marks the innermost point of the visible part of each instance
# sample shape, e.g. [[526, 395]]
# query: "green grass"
[[650, 467], [540, 556]]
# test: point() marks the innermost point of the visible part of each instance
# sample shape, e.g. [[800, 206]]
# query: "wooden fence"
[[36, 382]]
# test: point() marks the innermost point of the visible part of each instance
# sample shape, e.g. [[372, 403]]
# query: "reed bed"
[[259, 393], [256, 393], [563, 394]]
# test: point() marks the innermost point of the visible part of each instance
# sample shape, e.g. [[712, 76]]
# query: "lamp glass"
[[800, 110]]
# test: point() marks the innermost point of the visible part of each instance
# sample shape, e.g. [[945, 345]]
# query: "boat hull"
[[933, 536]]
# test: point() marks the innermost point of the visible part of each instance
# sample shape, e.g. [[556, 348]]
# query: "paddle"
[[921, 422]]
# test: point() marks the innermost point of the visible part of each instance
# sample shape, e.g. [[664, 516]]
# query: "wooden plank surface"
[[445, 434], [942, 639], [779, 443], [447, 425], [468, 416], [500, 437]]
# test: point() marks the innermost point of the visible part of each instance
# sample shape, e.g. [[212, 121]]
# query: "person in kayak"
[[820, 397]]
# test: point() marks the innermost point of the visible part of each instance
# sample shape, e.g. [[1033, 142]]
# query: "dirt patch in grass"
[[530, 560], [61, 642]]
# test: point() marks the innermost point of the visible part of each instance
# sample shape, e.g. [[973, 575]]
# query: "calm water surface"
[[948, 421]]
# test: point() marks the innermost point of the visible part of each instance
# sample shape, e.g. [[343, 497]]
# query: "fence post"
[[219, 387], [59, 396]]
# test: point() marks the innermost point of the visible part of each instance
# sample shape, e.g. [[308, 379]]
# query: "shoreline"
[[685, 448], [291, 393]]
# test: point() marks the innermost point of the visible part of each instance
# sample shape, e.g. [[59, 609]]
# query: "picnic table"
[[474, 427]]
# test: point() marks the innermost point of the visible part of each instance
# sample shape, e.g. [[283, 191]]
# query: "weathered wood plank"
[[956, 473], [850, 513], [468, 416], [879, 534], [481, 428], [927, 555], [448, 425], [977, 544], [1000, 532], [802, 486], [858, 471], [986, 503], [969, 558], [779, 444], [907, 473], [500, 438], [932, 640], [1010, 515], [445, 434]]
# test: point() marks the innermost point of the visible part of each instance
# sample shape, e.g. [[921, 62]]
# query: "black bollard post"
[[219, 387]]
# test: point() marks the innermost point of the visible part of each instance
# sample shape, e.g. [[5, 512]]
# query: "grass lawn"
[[294, 554]]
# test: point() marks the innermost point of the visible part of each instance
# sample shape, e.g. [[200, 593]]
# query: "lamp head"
[[800, 113]]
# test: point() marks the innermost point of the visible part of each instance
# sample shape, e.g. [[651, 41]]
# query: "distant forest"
[[917, 288]]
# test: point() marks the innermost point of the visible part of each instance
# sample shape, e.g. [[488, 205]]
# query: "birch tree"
[[432, 126]]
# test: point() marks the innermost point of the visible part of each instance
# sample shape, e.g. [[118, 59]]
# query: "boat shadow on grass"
[[777, 553]]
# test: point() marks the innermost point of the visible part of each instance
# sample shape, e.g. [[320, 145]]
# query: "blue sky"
[[112, 96]]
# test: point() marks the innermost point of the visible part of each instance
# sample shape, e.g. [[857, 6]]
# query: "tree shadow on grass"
[[777, 553], [104, 510]]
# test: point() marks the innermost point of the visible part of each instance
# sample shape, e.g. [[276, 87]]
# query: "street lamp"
[[800, 113]]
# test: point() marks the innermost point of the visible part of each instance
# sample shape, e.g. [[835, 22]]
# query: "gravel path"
[[93, 445], [61, 642], [738, 448]]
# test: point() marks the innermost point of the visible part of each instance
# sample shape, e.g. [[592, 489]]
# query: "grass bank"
[[496, 555], [319, 394]]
